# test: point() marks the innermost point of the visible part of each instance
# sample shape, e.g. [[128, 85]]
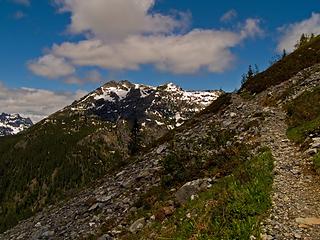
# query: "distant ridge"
[[11, 124]]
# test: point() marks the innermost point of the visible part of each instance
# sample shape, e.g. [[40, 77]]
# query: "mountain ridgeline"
[[95, 135], [13, 123]]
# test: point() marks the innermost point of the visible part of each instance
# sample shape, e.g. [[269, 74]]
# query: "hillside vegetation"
[[231, 209], [304, 120], [305, 56], [40, 165], [304, 115]]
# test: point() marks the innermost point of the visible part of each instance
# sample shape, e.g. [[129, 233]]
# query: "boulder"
[[105, 237], [311, 151], [104, 199], [232, 114], [137, 225], [48, 234], [192, 188], [161, 148], [95, 206], [315, 143]]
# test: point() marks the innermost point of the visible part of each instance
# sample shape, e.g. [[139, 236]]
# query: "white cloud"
[[92, 76], [183, 53], [180, 54], [51, 66], [117, 19], [35, 103], [229, 15], [251, 28], [291, 33], [126, 34], [22, 2]]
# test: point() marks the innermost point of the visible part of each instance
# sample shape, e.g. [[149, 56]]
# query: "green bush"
[[39, 166]]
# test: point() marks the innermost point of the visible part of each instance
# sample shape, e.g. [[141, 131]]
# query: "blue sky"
[[30, 28]]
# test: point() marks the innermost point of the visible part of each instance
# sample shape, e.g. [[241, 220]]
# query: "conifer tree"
[[250, 73], [134, 144], [284, 54]]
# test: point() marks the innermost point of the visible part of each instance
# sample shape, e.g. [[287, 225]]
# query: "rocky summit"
[[164, 107], [13, 123]]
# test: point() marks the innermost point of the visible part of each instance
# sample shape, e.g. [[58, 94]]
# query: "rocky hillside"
[[136, 202], [243, 168], [13, 123], [229, 172], [98, 134]]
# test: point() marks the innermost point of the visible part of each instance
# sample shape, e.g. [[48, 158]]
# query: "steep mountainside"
[[93, 136], [13, 123], [305, 56]]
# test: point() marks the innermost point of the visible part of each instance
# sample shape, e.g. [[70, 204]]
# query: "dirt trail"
[[296, 188]]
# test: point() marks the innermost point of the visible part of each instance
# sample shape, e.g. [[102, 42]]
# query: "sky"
[[55, 51]]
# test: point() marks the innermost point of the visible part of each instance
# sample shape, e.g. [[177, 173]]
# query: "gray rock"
[[95, 206], [191, 188], [105, 237], [161, 148], [104, 199], [316, 143], [38, 224], [311, 151], [48, 234], [226, 123], [233, 114], [137, 225]]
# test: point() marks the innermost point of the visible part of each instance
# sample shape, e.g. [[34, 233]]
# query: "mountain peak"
[[123, 100], [170, 87], [13, 123], [121, 83]]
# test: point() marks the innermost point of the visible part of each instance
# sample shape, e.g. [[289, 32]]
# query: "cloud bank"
[[51, 66], [127, 34], [118, 19], [34, 103], [291, 33]]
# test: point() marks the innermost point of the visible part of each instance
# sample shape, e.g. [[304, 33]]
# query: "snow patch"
[[159, 123], [115, 91]]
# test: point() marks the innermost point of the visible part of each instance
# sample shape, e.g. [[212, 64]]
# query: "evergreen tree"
[[256, 69], [243, 79], [312, 36], [284, 54], [304, 39], [250, 72], [135, 141]]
